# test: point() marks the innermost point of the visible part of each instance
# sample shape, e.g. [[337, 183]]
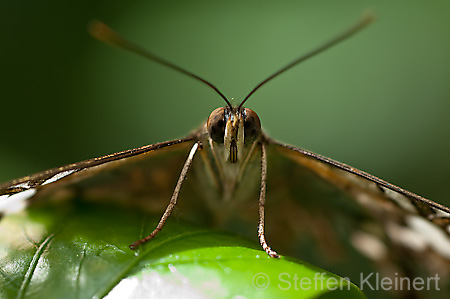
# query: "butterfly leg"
[[173, 199], [262, 201]]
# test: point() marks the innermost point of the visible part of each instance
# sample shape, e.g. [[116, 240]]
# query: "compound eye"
[[216, 125], [252, 125]]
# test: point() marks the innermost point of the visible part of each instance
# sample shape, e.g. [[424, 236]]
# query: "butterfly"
[[312, 201]]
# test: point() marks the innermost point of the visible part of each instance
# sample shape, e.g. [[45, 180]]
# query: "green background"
[[379, 101]]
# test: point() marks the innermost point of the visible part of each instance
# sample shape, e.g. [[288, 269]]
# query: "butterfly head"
[[234, 128]]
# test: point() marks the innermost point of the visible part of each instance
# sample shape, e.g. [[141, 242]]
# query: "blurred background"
[[379, 101]]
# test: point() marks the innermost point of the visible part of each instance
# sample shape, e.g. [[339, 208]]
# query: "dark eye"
[[252, 125], [216, 125]]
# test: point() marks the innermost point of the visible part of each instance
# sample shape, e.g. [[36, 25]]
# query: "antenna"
[[366, 19], [105, 34]]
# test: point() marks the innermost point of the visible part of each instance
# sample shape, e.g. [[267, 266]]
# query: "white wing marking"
[[400, 199], [13, 203], [432, 235], [25, 185], [369, 245], [58, 176]]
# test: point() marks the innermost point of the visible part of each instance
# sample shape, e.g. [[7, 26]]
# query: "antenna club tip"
[[369, 15], [99, 30]]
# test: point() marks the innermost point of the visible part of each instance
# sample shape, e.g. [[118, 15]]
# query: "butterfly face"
[[233, 129]]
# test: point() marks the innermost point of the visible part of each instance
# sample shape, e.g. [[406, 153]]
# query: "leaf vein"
[[32, 266]]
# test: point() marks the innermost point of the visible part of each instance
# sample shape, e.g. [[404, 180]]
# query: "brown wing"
[[133, 172], [348, 221]]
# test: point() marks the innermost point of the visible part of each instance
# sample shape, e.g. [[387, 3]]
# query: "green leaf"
[[81, 251]]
